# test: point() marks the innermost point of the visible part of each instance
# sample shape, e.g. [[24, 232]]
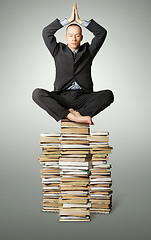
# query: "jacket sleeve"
[[49, 38], [99, 36]]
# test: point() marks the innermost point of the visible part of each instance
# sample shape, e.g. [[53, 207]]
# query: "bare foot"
[[76, 113], [77, 117]]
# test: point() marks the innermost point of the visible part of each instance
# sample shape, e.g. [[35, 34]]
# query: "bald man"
[[73, 96]]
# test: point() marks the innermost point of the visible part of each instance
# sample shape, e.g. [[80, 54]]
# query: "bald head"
[[73, 36], [74, 25]]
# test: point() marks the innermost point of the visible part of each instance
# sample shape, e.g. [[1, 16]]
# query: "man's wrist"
[[64, 22], [85, 23]]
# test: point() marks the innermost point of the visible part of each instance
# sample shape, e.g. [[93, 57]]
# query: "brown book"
[[74, 220], [74, 159], [101, 185], [75, 152], [101, 173], [44, 156], [96, 205], [98, 170], [98, 138], [82, 201], [101, 192], [51, 152], [75, 130], [98, 146], [48, 160], [50, 170], [74, 212], [51, 200], [76, 188], [98, 210], [100, 151], [74, 179], [74, 183], [73, 124], [51, 204], [74, 142], [49, 139], [103, 201], [98, 156], [50, 185]]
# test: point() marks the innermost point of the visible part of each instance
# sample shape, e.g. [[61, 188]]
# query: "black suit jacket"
[[66, 69]]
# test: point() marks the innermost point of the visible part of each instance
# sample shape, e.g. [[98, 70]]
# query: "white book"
[[103, 133], [101, 195], [74, 167], [73, 217], [70, 139], [100, 188], [47, 188], [99, 183], [52, 166], [99, 162], [74, 163], [50, 134], [73, 135], [98, 195], [52, 179], [101, 166], [74, 146], [103, 144], [50, 194], [100, 179], [49, 164], [74, 192], [76, 172], [50, 182], [52, 163], [49, 144], [69, 205]]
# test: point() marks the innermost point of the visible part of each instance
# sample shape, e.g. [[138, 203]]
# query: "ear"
[[66, 37]]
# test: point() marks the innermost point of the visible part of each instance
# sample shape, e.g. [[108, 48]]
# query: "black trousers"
[[57, 104]]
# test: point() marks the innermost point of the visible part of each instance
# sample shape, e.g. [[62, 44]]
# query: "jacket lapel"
[[79, 52]]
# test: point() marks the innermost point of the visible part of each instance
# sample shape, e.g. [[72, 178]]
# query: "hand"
[[72, 18], [77, 19]]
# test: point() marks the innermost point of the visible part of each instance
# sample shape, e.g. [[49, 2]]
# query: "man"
[[73, 96]]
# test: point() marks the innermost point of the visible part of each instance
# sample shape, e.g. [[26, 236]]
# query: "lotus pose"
[[73, 96]]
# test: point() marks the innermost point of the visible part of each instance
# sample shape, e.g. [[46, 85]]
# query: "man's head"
[[73, 36]]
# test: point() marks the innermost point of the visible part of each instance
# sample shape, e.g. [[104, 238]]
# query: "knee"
[[36, 94], [110, 95]]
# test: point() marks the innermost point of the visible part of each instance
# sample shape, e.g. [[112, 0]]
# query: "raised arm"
[[98, 31], [49, 38], [49, 31]]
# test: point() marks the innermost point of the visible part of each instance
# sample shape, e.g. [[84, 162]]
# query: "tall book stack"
[[50, 173], [100, 178], [75, 164]]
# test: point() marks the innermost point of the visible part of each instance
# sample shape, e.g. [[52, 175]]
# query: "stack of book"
[[50, 173], [75, 164], [100, 178]]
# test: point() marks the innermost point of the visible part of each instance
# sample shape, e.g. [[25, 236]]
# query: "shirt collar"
[[73, 50]]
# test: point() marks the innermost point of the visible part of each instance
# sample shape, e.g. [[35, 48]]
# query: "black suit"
[[57, 102]]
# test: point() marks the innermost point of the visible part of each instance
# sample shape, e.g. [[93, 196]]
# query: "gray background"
[[121, 65]]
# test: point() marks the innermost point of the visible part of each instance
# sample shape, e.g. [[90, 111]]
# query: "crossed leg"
[[61, 105]]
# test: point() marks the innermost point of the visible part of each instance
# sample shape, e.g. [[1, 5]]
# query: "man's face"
[[73, 37]]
